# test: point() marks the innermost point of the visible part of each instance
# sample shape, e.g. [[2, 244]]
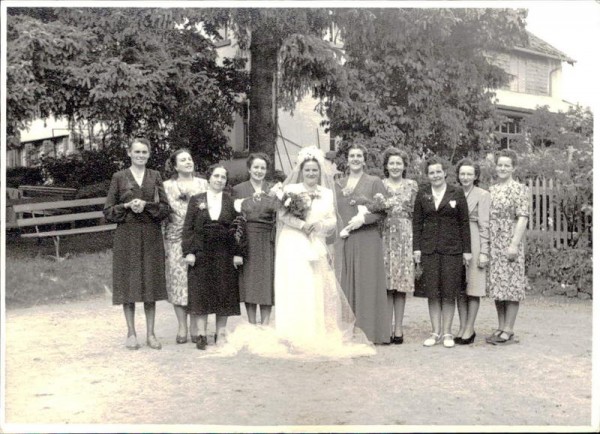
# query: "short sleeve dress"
[[397, 236], [175, 267], [507, 280]]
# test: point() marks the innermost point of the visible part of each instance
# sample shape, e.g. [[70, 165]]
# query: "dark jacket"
[[445, 230]]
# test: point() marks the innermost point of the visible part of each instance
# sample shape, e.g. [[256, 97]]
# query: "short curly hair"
[[509, 153], [473, 164]]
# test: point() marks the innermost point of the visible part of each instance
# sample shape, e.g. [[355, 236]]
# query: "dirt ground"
[[66, 364]]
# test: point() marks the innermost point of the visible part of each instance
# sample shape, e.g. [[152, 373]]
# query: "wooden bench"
[[47, 191], [63, 212]]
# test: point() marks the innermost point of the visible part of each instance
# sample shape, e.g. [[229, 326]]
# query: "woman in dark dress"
[[442, 244], [213, 244], [259, 209], [362, 274], [137, 202]]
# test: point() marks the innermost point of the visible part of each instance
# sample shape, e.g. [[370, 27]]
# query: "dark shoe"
[[202, 342], [194, 339], [398, 340], [462, 341], [489, 339], [181, 339]]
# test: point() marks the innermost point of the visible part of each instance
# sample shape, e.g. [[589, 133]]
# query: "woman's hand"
[[483, 261], [190, 259], [137, 205], [308, 228], [417, 256], [238, 261], [511, 253], [467, 258]]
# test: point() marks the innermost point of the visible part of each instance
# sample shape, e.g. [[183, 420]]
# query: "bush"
[[564, 271], [16, 176], [99, 189]]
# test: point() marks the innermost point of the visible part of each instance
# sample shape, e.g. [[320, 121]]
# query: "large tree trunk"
[[263, 94]]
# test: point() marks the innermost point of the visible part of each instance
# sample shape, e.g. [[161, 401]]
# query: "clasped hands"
[[355, 222], [190, 259], [136, 205]]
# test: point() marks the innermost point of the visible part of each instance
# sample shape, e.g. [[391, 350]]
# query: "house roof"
[[538, 46]]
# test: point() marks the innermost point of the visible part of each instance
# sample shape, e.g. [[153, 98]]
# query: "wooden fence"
[[547, 220]]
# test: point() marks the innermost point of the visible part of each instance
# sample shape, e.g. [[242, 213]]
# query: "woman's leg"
[[265, 314], [435, 314], [150, 311], [463, 313], [181, 315], [511, 309], [399, 303], [221, 324], [129, 311], [202, 321], [193, 324], [448, 306], [391, 304], [501, 311], [251, 311], [472, 310]]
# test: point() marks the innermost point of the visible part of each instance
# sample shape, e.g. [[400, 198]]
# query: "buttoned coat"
[[444, 230]]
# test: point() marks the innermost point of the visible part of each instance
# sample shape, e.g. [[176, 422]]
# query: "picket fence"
[[548, 223]]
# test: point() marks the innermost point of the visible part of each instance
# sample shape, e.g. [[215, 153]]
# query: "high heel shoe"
[[398, 340], [202, 342], [181, 339], [464, 341]]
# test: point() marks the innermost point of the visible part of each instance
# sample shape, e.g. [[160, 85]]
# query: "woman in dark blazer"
[[442, 244], [137, 202], [213, 244]]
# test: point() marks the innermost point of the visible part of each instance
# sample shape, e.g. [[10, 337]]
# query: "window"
[[508, 132]]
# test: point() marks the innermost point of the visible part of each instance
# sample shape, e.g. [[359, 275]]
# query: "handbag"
[[419, 282]]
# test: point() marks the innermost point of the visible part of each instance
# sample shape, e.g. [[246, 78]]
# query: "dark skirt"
[[213, 284], [443, 276], [258, 273], [363, 281], [138, 263]]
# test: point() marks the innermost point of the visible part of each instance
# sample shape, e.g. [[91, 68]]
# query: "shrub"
[[562, 270], [16, 176], [99, 189]]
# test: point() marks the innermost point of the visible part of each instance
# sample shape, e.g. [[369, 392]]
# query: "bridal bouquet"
[[297, 204]]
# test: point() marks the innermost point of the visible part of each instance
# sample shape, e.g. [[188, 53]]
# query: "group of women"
[[336, 276]]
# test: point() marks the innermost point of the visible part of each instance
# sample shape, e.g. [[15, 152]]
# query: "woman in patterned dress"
[[137, 202], [478, 200], [180, 188], [509, 212], [260, 210], [397, 235]]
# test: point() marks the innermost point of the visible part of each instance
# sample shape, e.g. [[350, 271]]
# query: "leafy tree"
[[133, 71], [422, 79]]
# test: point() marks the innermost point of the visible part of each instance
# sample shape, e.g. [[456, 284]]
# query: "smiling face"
[[466, 176], [504, 168], [139, 154], [311, 173], [218, 179], [184, 165], [395, 167], [258, 169], [436, 175], [356, 160]]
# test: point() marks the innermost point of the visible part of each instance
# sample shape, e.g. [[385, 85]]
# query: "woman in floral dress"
[[509, 212], [180, 188], [397, 235]]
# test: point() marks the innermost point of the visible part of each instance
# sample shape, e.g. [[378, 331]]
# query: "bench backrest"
[[57, 206], [45, 190]]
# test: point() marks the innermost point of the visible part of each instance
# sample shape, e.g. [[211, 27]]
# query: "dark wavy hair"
[[357, 146], [473, 164], [394, 152], [435, 160], [509, 153], [212, 168], [170, 171], [143, 141], [260, 156]]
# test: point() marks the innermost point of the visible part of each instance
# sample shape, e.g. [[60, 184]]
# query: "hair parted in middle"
[[260, 156], [469, 162]]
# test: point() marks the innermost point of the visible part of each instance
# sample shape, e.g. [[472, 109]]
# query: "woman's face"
[[466, 175], [218, 179], [395, 166], [311, 173], [139, 154], [504, 168], [356, 160], [436, 175], [184, 165], [258, 169]]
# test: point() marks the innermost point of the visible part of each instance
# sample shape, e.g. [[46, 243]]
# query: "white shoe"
[[433, 339], [448, 340]]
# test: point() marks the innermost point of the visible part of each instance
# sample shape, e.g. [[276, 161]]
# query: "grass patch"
[[34, 277]]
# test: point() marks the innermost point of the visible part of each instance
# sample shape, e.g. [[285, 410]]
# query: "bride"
[[311, 311]]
